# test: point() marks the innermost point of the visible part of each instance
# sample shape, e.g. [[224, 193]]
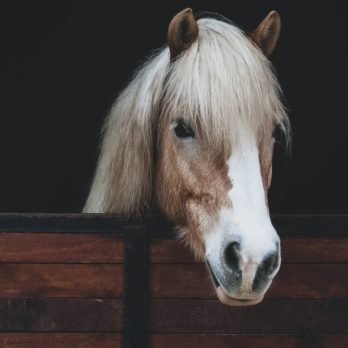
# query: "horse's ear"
[[267, 33], [182, 31]]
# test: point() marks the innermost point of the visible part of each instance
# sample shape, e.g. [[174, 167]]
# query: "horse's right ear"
[[267, 33], [182, 31]]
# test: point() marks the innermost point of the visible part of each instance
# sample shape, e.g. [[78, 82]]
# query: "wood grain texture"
[[86, 223], [78, 340], [60, 315], [56, 280], [295, 249], [59, 340], [60, 248], [157, 225], [93, 248], [318, 249], [249, 341], [167, 281], [294, 281], [269, 317], [176, 316]]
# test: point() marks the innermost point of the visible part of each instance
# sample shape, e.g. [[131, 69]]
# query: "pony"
[[191, 136]]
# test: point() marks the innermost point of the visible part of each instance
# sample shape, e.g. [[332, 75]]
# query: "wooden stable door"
[[63, 281]]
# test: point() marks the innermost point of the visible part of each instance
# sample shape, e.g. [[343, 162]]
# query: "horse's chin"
[[230, 301]]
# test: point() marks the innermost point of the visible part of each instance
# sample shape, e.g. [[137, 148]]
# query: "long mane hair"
[[221, 83]]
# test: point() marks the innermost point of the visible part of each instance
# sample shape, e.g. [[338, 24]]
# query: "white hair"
[[220, 84]]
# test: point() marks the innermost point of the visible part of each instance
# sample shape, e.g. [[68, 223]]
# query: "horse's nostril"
[[270, 263], [265, 269], [231, 256]]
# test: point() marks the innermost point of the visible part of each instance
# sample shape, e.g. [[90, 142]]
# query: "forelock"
[[223, 83]]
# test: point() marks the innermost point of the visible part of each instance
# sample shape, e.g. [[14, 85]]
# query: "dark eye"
[[182, 130], [277, 135]]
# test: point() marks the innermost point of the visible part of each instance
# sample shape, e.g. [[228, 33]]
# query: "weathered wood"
[[83, 223], [176, 316], [157, 225], [60, 248], [167, 281], [76, 340], [60, 315], [59, 340], [56, 280], [49, 257], [293, 281], [319, 249], [98, 248], [249, 341], [170, 251], [269, 317], [295, 249]]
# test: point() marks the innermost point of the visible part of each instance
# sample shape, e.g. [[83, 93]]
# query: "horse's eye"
[[277, 135], [182, 130]]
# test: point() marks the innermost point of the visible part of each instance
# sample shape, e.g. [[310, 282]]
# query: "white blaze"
[[249, 210], [247, 221]]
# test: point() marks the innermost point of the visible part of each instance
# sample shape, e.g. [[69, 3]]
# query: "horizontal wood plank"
[[94, 248], [292, 281], [295, 249], [78, 340], [60, 248], [314, 249], [249, 341], [176, 316], [167, 281], [59, 340], [269, 317], [157, 225], [113, 224], [56, 280], [60, 315]]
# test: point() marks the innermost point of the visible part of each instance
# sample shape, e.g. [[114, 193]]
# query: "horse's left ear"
[[182, 31], [267, 33]]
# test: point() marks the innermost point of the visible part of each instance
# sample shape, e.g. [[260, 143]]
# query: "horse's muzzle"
[[239, 282]]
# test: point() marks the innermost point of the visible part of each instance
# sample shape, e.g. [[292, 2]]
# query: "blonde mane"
[[220, 84]]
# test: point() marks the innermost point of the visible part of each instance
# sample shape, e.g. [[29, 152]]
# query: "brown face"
[[192, 182], [207, 195]]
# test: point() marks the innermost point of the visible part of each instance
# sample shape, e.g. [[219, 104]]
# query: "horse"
[[191, 137]]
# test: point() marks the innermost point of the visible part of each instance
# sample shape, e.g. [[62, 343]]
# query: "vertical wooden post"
[[136, 287]]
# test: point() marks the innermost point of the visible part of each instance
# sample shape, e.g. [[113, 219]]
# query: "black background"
[[66, 61]]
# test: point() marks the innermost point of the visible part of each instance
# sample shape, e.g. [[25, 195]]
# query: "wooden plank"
[[59, 340], [170, 251], [167, 281], [60, 248], [60, 315], [157, 225], [176, 316], [83, 223], [61, 280], [320, 249], [294, 281], [76, 340], [249, 341], [295, 249], [79, 248], [269, 317]]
